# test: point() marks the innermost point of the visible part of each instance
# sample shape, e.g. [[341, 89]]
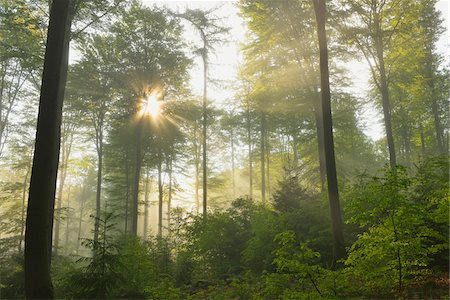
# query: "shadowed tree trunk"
[[330, 163], [263, 157], [137, 174], [146, 202], [66, 146], [249, 142], [205, 79], [160, 194], [40, 212], [98, 125]]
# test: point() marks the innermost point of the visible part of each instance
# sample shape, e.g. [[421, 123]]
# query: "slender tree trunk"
[[66, 242], [320, 143], [233, 168], [80, 220], [146, 200], [294, 148], [197, 171], [160, 195], [99, 146], [384, 90], [422, 141], [62, 179], [22, 214], [263, 157], [127, 194], [268, 167], [249, 142], [330, 163], [169, 196], [437, 126], [40, 212], [205, 163], [137, 175]]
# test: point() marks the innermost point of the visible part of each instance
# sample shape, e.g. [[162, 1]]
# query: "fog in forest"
[[250, 149]]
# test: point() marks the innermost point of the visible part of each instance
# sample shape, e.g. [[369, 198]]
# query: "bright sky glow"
[[152, 106]]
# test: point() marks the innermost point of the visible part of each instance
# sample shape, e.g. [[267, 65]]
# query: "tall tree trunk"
[[62, 179], [384, 90], [160, 195], [268, 167], [320, 143], [249, 142], [146, 200], [99, 146], [40, 212], [80, 219], [169, 195], [205, 79], [66, 242], [137, 175], [127, 193], [22, 214], [437, 126], [197, 171], [330, 163], [422, 141], [295, 150], [263, 157], [233, 168]]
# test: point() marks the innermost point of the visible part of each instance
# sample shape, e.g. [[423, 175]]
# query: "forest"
[[246, 149]]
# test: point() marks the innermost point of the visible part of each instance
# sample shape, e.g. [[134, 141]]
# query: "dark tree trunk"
[[268, 167], [233, 171], [169, 195], [80, 220], [160, 195], [263, 157], [146, 200], [22, 214], [127, 194], [137, 175], [205, 79], [294, 148], [384, 90], [320, 143], [66, 142], [330, 163], [66, 243], [249, 141], [422, 141], [197, 171], [41, 201], [99, 146]]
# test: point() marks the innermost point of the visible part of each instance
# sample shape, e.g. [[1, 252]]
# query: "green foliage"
[[289, 195], [401, 235], [99, 275]]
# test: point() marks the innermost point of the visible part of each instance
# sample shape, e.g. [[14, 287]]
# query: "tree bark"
[[160, 194], [205, 79], [320, 143], [40, 212], [384, 90], [197, 171], [66, 243], [249, 141], [137, 175], [169, 195], [146, 200], [233, 171], [263, 157], [99, 146], [330, 163]]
